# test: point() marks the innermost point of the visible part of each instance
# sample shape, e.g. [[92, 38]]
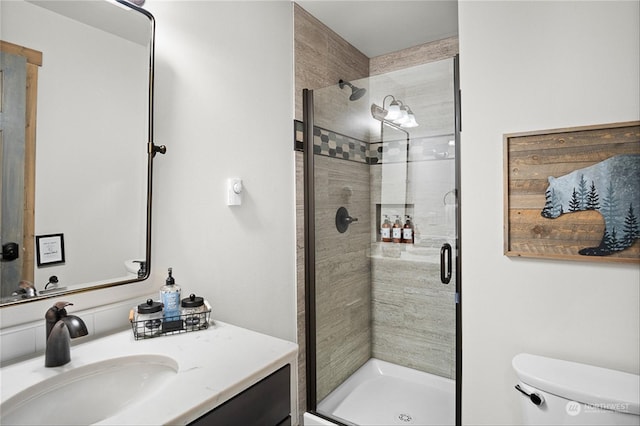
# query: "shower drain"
[[405, 417]]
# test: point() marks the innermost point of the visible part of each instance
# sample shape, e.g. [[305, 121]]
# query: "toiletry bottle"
[[396, 231], [407, 231], [170, 298], [385, 230]]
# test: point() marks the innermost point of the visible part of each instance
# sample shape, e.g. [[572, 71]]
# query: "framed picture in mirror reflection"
[[49, 249]]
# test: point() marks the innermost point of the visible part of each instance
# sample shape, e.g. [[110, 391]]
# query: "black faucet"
[[61, 328]]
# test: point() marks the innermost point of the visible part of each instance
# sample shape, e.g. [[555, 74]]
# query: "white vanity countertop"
[[213, 366]]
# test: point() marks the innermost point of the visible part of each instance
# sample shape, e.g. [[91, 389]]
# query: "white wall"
[[528, 66], [224, 108]]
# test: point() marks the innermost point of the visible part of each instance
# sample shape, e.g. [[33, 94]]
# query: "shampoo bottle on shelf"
[[385, 230], [396, 231], [170, 298], [407, 231]]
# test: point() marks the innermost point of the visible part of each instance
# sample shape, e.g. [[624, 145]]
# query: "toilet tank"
[[575, 394]]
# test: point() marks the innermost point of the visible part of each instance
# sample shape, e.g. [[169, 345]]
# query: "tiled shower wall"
[[411, 320], [343, 277], [413, 312], [352, 279], [321, 59]]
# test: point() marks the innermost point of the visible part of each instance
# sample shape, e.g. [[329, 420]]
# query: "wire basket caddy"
[[150, 328]]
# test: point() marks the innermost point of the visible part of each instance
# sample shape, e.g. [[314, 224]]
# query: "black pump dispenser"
[[170, 280]]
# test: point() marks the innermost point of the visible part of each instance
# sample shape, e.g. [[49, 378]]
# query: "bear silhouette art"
[[611, 187]]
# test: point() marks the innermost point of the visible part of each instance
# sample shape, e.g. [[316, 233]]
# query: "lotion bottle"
[[396, 231], [407, 231], [385, 230], [170, 298]]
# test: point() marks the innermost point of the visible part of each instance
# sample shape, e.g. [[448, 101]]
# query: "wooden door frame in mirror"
[[34, 60]]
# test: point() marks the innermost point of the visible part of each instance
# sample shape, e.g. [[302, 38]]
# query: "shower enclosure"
[[379, 312]]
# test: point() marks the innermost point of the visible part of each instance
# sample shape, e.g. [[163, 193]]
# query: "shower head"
[[356, 92]]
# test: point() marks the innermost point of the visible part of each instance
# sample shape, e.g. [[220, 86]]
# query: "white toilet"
[[556, 392]]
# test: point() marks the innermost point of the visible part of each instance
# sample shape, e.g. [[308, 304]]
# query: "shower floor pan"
[[381, 393]]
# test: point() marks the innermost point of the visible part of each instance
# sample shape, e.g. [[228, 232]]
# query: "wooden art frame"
[[573, 193]]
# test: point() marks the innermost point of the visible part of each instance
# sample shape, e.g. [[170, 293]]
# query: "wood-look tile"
[[417, 55], [322, 57]]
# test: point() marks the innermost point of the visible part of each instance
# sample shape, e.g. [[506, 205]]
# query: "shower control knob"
[[343, 220]]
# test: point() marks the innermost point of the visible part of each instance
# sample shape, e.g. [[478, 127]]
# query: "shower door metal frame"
[[310, 258], [457, 95], [309, 248]]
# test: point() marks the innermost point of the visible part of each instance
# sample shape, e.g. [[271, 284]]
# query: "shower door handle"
[[445, 263]]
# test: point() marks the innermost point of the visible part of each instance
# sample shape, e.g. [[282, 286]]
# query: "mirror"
[[78, 206]]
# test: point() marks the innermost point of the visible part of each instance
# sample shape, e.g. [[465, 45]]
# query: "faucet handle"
[[60, 310], [56, 312], [62, 305]]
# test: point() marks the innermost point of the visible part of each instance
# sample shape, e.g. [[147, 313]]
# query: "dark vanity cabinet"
[[267, 403]]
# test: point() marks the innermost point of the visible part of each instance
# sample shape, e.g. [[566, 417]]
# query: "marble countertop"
[[213, 366]]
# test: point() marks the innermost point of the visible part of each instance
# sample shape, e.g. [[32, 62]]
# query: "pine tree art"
[[631, 231], [618, 180]]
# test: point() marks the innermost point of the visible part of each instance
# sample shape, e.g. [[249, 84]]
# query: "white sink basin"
[[90, 393]]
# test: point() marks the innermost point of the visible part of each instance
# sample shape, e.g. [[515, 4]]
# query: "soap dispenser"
[[385, 230], [170, 298], [396, 231], [407, 231]]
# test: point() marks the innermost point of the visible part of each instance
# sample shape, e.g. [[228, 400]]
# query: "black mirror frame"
[[151, 152]]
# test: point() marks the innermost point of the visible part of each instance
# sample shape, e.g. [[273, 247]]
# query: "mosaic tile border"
[[336, 145]]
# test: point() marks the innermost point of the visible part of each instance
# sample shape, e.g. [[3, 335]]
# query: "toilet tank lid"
[[604, 388]]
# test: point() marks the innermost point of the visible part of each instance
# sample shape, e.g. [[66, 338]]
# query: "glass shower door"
[[382, 290]]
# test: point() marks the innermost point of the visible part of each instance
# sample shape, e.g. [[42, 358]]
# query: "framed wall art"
[[49, 249], [573, 193]]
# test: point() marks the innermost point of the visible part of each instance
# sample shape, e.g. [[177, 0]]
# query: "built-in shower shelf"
[[391, 210]]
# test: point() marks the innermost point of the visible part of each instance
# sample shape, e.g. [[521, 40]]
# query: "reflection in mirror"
[[88, 179]]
